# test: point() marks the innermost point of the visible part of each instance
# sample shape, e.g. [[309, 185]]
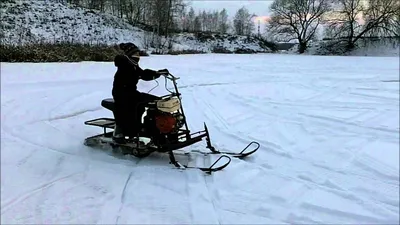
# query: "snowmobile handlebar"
[[170, 76]]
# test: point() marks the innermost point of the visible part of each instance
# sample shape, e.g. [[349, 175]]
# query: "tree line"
[[345, 20], [300, 20], [166, 16]]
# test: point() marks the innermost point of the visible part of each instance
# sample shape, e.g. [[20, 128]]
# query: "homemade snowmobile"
[[165, 125]]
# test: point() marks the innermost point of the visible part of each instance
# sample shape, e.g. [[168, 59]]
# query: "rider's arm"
[[147, 74]]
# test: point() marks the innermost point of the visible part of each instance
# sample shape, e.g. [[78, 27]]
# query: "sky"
[[258, 7]]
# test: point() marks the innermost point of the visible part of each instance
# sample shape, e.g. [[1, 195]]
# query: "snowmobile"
[[166, 130]]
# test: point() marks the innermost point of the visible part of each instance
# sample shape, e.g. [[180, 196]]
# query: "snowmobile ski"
[[208, 170], [240, 154]]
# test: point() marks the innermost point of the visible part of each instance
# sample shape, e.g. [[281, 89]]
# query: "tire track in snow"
[[306, 178], [16, 135], [81, 98], [30, 99], [347, 126], [44, 192], [33, 98], [330, 187], [9, 204], [123, 198], [212, 201], [218, 120], [300, 117], [227, 130], [123, 192], [25, 159], [74, 114], [21, 139], [340, 125], [223, 126], [226, 126], [57, 84], [200, 199]]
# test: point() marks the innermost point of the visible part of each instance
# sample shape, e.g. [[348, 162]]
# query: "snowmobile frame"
[[183, 134]]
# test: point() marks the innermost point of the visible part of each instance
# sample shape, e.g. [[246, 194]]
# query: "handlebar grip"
[[171, 77]]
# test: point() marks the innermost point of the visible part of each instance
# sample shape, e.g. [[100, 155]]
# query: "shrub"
[[244, 51], [59, 52], [182, 52], [220, 49]]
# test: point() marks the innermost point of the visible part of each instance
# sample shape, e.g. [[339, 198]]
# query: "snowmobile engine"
[[168, 123]]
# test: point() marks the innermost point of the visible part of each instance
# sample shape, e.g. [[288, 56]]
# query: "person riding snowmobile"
[[129, 102]]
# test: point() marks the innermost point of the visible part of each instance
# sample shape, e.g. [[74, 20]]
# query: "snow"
[[49, 21], [28, 21], [328, 129], [384, 47], [188, 41]]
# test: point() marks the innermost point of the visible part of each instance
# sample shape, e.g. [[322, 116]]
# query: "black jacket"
[[127, 77]]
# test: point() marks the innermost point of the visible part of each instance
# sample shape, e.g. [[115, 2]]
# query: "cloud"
[[262, 19]]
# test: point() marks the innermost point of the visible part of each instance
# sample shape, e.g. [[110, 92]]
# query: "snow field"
[[328, 129]]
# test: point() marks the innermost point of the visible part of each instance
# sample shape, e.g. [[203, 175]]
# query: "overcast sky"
[[258, 7]]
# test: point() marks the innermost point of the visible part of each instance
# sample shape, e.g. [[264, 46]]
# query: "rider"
[[128, 110]]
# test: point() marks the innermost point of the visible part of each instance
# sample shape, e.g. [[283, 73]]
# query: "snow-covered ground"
[[328, 128]]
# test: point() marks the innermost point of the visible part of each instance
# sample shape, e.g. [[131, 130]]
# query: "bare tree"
[[382, 18], [346, 19], [211, 21], [97, 4], [355, 19], [223, 25], [242, 22], [136, 11], [197, 25], [297, 19], [74, 2], [190, 19]]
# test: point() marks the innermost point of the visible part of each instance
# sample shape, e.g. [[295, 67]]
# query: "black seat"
[[108, 103]]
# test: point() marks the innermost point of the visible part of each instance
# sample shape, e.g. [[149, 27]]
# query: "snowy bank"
[[48, 21], [365, 47]]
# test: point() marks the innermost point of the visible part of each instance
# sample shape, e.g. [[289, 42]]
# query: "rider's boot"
[[118, 136]]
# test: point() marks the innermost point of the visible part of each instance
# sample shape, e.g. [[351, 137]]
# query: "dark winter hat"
[[129, 48]]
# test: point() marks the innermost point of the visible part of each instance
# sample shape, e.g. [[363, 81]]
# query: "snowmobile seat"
[[108, 103]]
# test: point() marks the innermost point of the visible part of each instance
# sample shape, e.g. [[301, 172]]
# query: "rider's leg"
[[121, 120], [140, 107]]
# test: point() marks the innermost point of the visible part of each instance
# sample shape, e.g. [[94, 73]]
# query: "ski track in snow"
[[328, 129]]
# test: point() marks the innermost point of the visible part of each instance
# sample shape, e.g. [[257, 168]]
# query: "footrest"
[[102, 122]]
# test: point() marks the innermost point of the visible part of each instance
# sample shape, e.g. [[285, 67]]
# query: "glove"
[[157, 75], [163, 71]]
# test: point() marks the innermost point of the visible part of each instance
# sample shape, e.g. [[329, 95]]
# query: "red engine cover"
[[165, 123]]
